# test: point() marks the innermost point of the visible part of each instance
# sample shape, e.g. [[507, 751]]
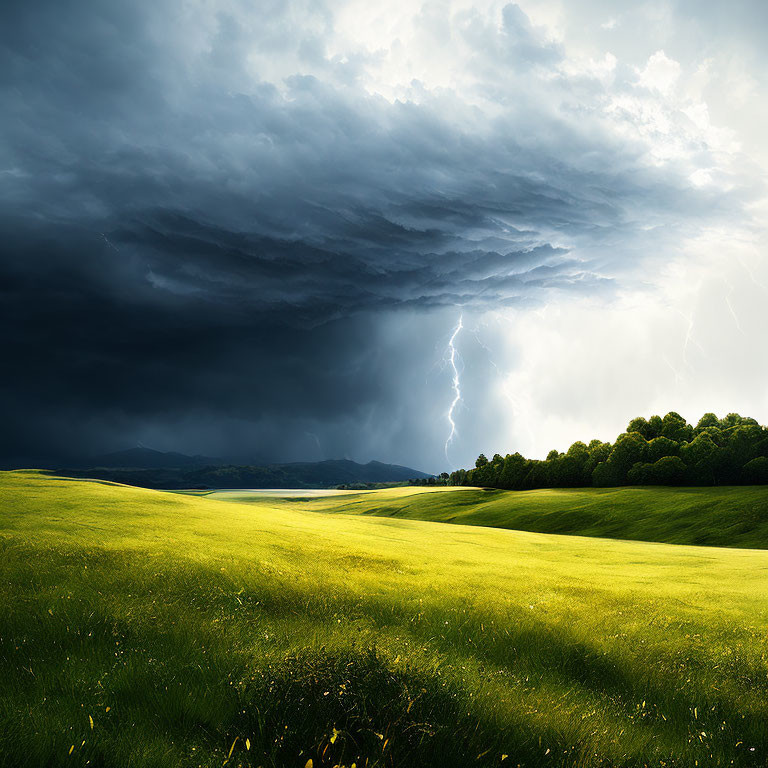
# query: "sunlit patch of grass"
[[146, 629]]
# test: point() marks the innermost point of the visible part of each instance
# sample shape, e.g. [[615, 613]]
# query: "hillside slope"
[[734, 516], [140, 628]]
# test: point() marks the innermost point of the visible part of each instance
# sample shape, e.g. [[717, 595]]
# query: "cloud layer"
[[241, 229]]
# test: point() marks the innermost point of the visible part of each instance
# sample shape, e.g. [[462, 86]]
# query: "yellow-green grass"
[[141, 628], [722, 516]]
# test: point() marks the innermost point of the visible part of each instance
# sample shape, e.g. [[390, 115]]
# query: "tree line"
[[654, 451]]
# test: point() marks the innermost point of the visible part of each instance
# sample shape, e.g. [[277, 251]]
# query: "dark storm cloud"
[[182, 235]]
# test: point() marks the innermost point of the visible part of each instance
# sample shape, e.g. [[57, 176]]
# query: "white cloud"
[[660, 73], [691, 342]]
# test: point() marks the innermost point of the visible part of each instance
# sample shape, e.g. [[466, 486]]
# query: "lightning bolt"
[[109, 243], [689, 338], [675, 372], [488, 352], [456, 384], [752, 277], [730, 308]]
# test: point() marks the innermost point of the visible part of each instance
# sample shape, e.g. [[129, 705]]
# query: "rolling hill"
[[723, 516], [140, 628]]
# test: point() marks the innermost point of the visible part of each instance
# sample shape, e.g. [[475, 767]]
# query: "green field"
[[142, 628], [721, 516]]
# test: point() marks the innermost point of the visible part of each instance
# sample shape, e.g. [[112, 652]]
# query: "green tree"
[[701, 448], [629, 448], [706, 421], [669, 470], [514, 471], [675, 427], [744, 440], [755, 472], [660, 447], [640, 425], [660, 451], [598, 452], [536, 476], [606, 474], [655, 425], [571, 465]]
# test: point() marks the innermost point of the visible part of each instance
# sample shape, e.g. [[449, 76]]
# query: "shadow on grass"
[[197, 669]]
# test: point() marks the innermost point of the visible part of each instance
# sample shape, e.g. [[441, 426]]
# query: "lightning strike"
[[485, 347], [752, 277], [689, 338], [109, 243], [675, 372], [456, 383]]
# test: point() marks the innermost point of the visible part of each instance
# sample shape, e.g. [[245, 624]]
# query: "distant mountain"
[[148, 458], [339, 471], [175, 471]]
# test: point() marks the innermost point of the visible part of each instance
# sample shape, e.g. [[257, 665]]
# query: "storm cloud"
[[233, 228]]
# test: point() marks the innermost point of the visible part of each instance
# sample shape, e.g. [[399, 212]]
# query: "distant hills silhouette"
[[157, 469]]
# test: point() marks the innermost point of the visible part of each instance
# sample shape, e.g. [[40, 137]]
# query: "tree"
[[459, 477], [701, 448], [718, 436], [665, 451], [578, 449], [731, 420], [755, 471], [629, 448], [640, 425], [655, 425], [513, 472], [598, 451], [669, 470], [569, 466], [675, 427], [743, 441], [707, 420], [606, 474], [536, 476], [660, 447]]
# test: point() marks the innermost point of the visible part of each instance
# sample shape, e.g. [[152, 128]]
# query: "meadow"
[[142, 628], [735, 516]]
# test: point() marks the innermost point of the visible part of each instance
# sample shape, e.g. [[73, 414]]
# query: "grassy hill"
[[723, 516], [140, 628]]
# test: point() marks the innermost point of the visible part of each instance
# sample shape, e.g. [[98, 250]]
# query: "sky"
[[406, 231]]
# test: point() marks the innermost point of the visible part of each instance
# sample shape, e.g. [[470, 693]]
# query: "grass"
[[141, 628], [721, 516]]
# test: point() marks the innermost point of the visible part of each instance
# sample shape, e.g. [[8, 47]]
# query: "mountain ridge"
[[174, 476]]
